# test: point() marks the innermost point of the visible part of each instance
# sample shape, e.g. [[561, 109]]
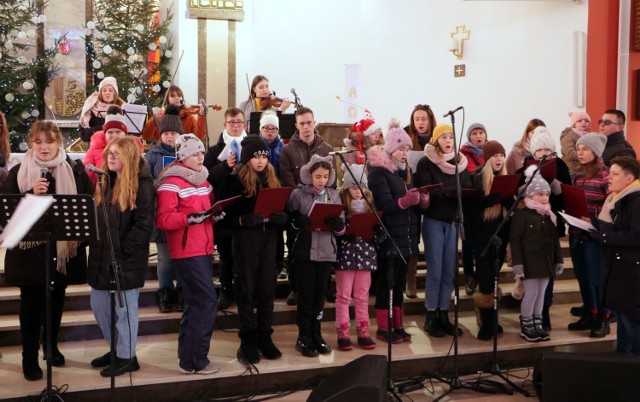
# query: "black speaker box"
[[361, 380], [286, 122], [583, 377]]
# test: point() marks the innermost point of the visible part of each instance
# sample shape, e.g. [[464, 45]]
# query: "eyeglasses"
[[235, 122], [421, 106], [270, 129], [607, 122], [113, 155]]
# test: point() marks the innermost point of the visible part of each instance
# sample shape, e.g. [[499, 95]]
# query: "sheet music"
[[135, 115], [579, 223], [29, 210]]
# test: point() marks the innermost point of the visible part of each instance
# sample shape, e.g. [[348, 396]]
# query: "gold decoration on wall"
[[229, 10], [458, 37]]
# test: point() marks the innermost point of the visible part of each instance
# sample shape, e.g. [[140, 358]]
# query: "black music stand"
[[71, 217], [286, 123]]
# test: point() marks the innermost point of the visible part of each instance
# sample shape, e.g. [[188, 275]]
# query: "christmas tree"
[[128, 39], [26, 68]]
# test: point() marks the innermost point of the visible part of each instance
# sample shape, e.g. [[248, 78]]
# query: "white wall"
[[518, 59]]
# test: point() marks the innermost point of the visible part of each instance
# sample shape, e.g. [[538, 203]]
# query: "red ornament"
[[65, 46]]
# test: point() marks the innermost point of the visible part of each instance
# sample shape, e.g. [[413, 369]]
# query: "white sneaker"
[[210, 368]]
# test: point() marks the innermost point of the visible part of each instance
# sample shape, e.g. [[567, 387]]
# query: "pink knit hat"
[[396, 138], [577, 116]]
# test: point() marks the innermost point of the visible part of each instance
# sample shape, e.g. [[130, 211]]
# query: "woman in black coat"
[[25, 264], [129, 197]]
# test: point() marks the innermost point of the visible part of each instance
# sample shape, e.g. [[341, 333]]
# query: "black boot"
[[432, 325], [600, 327], [179, 303], [304, 344], [321, 346], [447, 326], [30, 368], [546, 320], [164, 300], [587, 321], [248, 351], [122, 366], [528, 330], [225, 300], [538, 321], [57, 358], [485, 333], [266, 346]]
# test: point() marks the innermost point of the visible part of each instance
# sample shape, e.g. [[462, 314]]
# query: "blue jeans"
[[165, 268], [628, 335], [441, 254], [585, 255], [126, 320]]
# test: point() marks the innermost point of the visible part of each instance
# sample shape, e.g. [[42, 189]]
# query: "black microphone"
[[43, 172], [450, 112], [91, 168], [348, 151]]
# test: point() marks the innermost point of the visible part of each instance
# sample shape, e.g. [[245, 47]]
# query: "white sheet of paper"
[[579, 223], [134, 117], [29, 210], [412, 159]]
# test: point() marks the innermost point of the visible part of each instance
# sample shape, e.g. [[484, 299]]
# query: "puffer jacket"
[[534, 244], [296, 154]]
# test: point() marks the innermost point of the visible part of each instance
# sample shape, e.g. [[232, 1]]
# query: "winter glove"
[[555, 187], [425, 201], [411, 198], [301, 222], [278, 218], [219, 217], [379, 235], [491, 200], [335, 223], [194, 219], [518, 271], [559, 269], [251, 220]]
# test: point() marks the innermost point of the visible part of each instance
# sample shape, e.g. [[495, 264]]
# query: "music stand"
[[286, 123], [70, 218]]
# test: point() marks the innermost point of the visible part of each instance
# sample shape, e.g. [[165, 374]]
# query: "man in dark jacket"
[[612, 125], [619, 236]]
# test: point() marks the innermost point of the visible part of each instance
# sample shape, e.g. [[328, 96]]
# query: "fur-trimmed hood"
[[305, 171], [379, 158]]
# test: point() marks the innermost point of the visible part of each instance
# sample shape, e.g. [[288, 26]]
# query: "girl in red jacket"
[[184, 196]]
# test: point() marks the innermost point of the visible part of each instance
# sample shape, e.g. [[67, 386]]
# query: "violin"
[[272, 101], [195, 108]]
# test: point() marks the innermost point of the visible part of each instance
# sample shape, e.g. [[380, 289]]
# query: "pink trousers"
[[356, 284]]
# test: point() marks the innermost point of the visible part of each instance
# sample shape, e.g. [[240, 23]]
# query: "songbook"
[[271, 200], [468, 192], [574, 200], [429, 188], [506, 185], [549, 169], [167, 160], [363, 225], [29, 210], [135, 115], [579, 223], [321, 211], [413, 157], [220, 205]]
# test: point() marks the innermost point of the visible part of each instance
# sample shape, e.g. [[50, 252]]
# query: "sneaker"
[[210, 368], [292, 299], [283, 275], [470, 285]]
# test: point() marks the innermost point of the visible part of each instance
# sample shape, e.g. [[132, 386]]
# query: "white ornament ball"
[[140, 28], [22, 35], [131, 98], [162, 39], [27, 85], [35, 113], [91, 25], [23, 146], [34, 19], [97, 64], [100, 75], [156, 88], [42, 19], [166, 84], [31, 33], [131, 51], [8, 45], [153, 47], [25, 115], [9, 97], [87, 32], [107, 49], [138, 91], [168, 53]]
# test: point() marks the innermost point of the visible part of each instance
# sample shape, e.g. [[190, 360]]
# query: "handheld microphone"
[[334, 153], [450, 112], [91, 168], [43, 172]]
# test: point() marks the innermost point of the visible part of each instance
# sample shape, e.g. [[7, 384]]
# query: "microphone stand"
[[115, 269], [206, 126], [393, 254]]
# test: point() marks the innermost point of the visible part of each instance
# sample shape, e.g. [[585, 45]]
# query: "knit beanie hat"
[[577, 116], [595, 142], [358, 173], [538, 184], [171, 120], [541, 139], [396, 138], [305, 171], [114, 121], [491, 148], [187, 145], [439, 131], [252, 145], [109, 81], [268, 117], [475, 126]]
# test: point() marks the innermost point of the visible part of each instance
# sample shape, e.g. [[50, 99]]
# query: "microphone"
[[348, 151], [43, 172], [450, 112], [91, 168]]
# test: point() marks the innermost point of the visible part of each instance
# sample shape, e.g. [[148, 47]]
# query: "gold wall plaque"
[[229, 10]]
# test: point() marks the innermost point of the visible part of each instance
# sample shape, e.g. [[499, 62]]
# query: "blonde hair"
[[487, 173], [126, 188], [347, 199], [50, 129], [248, 178]]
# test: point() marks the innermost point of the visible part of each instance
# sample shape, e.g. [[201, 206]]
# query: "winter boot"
[[266, 346], [398, 328], [364, 339], [321, 346], [225, 301], [30, 368], [248, 351], [432, 325], [447, 326], [304, 344], [601, 326], [382, 332], [485, 333], [587, 321], [538, 325], [578, 311], [546, 319], [527, 329], [292, 299], [344, 341], [164, 300], [469, 285], [412, 268]]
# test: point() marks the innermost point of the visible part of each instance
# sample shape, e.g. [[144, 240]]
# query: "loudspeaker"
[[286, 123], [361, 380], [586, 377]]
